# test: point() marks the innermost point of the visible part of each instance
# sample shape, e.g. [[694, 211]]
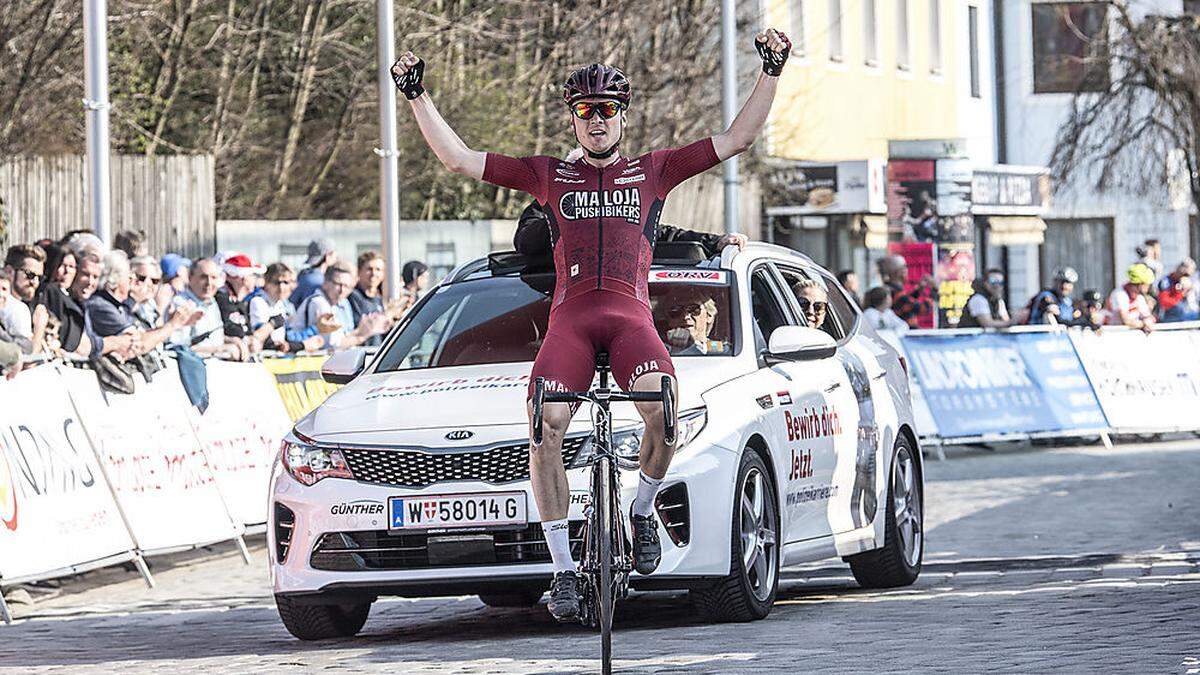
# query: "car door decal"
[[863, 503]]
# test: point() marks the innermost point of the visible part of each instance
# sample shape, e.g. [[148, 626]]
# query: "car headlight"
[[627, 441], [309, 463], [691, 423]]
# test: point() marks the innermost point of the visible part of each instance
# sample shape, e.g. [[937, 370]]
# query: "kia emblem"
[[459, 435]]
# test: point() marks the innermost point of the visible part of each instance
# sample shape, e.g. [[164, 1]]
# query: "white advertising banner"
[[1144, 382], [56, 510], [241, 431], [161, 476]]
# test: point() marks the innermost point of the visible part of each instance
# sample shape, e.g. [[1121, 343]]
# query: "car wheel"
[[748, 593], [527, 597], [898, 562], [321, 622]]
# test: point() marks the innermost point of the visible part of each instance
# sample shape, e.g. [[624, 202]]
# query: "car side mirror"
[[344, 366], [799, 343]]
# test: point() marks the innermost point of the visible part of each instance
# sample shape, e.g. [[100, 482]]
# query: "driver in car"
[[691, 319]]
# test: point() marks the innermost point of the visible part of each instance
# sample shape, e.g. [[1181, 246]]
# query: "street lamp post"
[[95, 103], [389, 178], [729, 107]]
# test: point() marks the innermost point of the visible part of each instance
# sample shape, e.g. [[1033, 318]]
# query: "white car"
[[796, 444]]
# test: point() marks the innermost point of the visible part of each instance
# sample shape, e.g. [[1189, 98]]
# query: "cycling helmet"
[[1093, 297], [1067, 274], [598, 79]]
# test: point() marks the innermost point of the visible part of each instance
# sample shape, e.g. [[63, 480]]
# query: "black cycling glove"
[[773, 61], [409, 83]]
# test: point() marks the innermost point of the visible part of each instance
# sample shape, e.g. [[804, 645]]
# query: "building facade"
[[879, 125], [1046, 47]]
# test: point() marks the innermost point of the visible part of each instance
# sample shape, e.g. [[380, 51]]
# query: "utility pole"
[[389, 174], [95, 104], [729, 97]]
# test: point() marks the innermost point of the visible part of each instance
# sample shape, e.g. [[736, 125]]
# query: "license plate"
[[463, 510]]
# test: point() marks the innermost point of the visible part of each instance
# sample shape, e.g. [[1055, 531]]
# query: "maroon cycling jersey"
[[603, 221]]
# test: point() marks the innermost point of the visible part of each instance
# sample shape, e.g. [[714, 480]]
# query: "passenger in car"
[[690, 320], [814, 302]]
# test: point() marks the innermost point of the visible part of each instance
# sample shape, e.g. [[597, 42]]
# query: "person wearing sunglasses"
[[690, 321], [23, 267], [604, 210], [813, 300]]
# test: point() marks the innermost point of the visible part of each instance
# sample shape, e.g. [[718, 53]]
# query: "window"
[[504, 320], [870, 37], [835, 319], [440, 258], [841, 305], [903, 56], [973, 45], [935, 36], [1194, 226], [797, 35], [1070, 50], [294, 255], [835, 30], [1086, 245], [764, 306]]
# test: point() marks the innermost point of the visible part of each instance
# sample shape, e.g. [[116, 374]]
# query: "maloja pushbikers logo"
[[8, 494]]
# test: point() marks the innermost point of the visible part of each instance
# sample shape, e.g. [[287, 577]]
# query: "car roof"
[[512, 263]]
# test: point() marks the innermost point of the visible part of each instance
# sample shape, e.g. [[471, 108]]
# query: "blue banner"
[[1003, 383]]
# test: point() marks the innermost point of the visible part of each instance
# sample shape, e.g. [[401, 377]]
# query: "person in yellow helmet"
[[1127, 305]]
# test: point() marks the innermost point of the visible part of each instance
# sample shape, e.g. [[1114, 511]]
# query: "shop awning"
[[1016, 230], [874, 229]]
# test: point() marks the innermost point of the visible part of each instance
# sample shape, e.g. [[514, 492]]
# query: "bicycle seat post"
[[602, 367]]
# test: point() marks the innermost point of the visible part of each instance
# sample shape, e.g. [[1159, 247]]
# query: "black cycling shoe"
[[647, 550], [564, 596]]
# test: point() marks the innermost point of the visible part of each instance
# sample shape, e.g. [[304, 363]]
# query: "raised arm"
[[773, 48], [408, 72]]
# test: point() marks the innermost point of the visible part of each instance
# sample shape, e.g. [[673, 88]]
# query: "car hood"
[[481, 404]]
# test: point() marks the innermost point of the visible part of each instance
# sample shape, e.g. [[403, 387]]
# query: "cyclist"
[[604, 210]]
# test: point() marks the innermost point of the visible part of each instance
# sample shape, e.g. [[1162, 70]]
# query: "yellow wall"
[[828, 111]]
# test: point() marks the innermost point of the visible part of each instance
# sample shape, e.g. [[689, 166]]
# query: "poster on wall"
[[920, 259], [956, 270], [912, 208]]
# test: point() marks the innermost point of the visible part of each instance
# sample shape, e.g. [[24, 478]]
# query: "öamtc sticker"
[[704, 277]]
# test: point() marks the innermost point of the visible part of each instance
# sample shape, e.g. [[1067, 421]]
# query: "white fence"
[[88, 478]]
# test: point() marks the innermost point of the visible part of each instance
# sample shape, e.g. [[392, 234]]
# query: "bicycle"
[[605, 560]]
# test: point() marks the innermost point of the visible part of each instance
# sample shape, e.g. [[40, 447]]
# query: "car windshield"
[[503, 320]]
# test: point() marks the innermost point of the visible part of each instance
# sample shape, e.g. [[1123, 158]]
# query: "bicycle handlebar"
[[584, 396], [665, 397]]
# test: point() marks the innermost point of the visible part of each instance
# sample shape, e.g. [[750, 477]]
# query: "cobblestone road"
[[1069, 559]]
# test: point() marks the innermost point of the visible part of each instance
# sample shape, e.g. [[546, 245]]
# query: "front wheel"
[[748, 593], [321, 622], [898, 562]]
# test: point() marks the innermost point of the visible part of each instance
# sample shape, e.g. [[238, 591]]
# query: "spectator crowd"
[[1148, 296], [121, 307]]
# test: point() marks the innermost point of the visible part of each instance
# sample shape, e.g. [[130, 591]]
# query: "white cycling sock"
[[558, 539], [643, 504]]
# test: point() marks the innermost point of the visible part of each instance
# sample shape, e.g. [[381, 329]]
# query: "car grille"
[[379, 550], [419, 468]]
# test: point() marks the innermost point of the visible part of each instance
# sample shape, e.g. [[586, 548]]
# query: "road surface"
[[1038, 560]]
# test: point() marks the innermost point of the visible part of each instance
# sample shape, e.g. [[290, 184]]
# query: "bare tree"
[[1142, 131], [281, 92]]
